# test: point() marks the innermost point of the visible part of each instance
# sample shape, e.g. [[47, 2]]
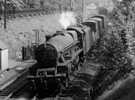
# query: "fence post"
[[3, 59]]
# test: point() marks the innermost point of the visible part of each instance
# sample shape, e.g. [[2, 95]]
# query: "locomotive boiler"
[[65, 51]]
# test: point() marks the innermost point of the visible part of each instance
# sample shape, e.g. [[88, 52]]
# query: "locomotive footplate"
[[47, 74], [50, 72]]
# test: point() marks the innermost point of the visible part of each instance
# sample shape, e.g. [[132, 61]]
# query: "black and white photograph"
[[67, 49]]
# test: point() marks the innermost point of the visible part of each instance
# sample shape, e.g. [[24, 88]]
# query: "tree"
[[123, 15], [110, 52]]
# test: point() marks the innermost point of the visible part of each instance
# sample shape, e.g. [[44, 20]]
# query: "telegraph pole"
[[83, 9], [71, 5], [5, 14]]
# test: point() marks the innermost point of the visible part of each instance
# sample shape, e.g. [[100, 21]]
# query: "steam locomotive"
[[65, 51]]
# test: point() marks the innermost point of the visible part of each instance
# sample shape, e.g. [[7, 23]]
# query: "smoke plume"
[[67, 19]]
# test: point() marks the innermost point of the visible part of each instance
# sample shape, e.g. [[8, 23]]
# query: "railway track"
[[77, 91], [79, 88], [13, 80]]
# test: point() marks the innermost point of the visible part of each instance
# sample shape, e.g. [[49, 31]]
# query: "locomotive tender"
[[65, 51]]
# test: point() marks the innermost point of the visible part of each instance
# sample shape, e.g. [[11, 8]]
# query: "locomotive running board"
[[46, 75]]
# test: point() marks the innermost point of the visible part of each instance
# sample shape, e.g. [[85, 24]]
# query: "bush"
[[110, 52]]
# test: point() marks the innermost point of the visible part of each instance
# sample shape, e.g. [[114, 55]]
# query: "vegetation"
[[123, 17], [116, 47], [111, 53]]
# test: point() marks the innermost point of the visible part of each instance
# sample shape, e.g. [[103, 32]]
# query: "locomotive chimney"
[[63, 30], [47, 37], [45, 41]]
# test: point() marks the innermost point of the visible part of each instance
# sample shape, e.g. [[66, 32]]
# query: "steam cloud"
[[67, 19]]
